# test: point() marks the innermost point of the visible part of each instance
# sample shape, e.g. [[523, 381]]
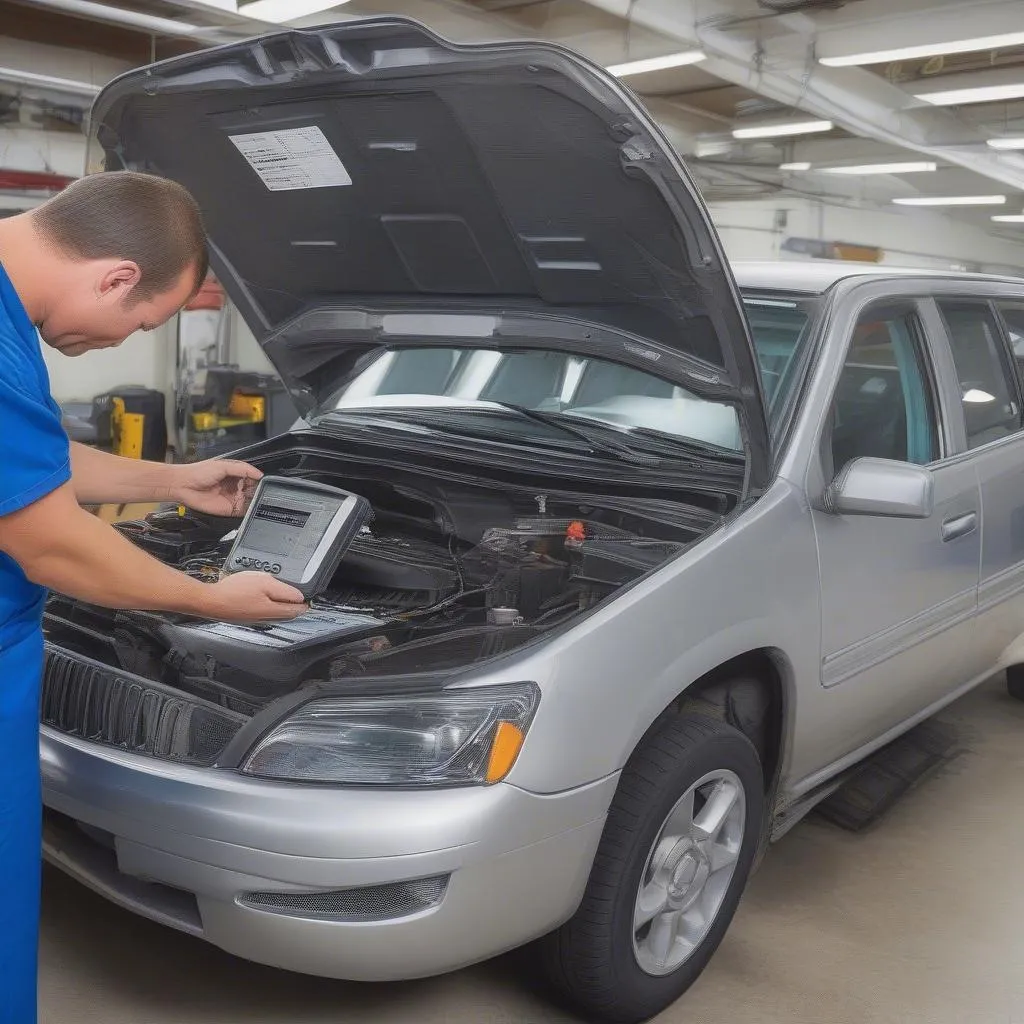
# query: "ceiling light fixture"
[[1007, 143], [973, 94], [281, 11], [951, 201], [669, 60], [772, 131], [925, 50], [908, 167], [796, 165], [48, 82], [1010, 218]]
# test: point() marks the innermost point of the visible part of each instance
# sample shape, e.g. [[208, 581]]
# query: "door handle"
[[959, 526]]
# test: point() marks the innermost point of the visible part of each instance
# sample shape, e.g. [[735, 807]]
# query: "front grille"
[[372, 903], [95, 702]]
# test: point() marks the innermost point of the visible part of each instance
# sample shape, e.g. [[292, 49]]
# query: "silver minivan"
[[656, 559]]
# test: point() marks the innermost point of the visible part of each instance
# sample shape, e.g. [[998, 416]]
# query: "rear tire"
[[1015, 681], [693, 774]]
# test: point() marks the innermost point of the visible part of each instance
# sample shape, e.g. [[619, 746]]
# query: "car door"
[[898, 596], [977, 330]]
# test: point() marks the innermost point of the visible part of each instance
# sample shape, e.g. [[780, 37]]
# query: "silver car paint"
[[871, 622], [218, 835]]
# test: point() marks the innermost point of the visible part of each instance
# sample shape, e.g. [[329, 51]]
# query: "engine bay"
[[445, 574]]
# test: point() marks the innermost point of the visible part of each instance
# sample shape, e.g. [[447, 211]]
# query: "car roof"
[[817, 277]]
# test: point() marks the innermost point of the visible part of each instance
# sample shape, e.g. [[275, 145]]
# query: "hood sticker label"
[[292, 158]]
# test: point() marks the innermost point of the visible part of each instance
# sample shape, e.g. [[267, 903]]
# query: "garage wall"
[[61, 61], [245, 349], [142, 359], [752, 230], [25, 148], [145, 359]]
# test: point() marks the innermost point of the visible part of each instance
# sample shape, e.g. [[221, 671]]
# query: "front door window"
[[883, 405]]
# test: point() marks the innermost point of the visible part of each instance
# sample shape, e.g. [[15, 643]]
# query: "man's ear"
[[118, 280]]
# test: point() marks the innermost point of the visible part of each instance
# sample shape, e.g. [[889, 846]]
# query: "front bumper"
[[184, 847]]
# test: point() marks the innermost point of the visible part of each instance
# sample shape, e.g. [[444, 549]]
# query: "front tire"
[[677, 849], [1015, 681]]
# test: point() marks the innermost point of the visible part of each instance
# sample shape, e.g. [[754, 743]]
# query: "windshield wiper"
[[434, 420], [670, 446], [675, 442], [604, 444]]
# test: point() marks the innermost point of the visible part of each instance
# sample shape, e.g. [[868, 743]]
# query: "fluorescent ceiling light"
[[47, 81], [1010, 218], [280, 11], [669, 60], [797, 165], [951, 201], [999, 42], [974, 94], [772, 131], [1008, 143], [908, 167]]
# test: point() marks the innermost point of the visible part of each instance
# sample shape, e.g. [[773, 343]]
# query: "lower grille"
[[371, 903], [78, 850], [95, 702]]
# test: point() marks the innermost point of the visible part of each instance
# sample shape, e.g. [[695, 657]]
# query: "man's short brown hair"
[[154, 222]]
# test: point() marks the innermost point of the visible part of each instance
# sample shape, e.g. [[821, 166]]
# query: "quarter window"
[[987, 389], [883, 404]]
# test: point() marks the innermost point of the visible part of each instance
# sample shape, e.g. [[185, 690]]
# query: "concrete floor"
[[917, 922]]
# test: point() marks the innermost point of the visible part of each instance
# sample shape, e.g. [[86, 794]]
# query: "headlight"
[[455, 737]]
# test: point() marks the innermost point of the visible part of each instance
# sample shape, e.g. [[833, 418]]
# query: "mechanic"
[[112, 254]]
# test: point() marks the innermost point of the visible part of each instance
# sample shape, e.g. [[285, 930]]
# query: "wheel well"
[[749, 693]]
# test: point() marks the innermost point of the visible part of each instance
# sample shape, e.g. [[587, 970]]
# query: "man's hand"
[[63, 547], [217, 487], [252, 597]]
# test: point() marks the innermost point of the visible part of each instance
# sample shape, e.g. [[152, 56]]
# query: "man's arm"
[[220, 487], [98, 477], [61, 546]]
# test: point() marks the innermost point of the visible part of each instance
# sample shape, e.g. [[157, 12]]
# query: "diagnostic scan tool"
[[297, 531]]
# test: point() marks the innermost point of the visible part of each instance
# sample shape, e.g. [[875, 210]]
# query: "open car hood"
[[368, 185]]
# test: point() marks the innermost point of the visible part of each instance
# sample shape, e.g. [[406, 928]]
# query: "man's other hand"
[[218, 487], [252, 597]]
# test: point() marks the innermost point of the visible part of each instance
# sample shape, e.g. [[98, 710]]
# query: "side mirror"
[[880, 487]]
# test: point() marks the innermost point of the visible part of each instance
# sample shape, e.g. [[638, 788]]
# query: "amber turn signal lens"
[[508, 740]]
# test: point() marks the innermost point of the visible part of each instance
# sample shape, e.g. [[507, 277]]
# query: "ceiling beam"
[[888, 26], [38, 25], [859, 101], [151, 24], [231, 22]]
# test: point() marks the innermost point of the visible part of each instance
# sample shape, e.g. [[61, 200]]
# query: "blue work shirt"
[[34, 454], [34, 460]]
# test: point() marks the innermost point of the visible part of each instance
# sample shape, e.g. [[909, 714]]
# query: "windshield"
[[779, 324], [435, 381]]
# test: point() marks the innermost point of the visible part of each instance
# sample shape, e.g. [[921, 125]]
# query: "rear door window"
[[988, 387]]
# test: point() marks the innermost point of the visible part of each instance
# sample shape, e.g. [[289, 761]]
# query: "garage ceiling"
[[926, 85]]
